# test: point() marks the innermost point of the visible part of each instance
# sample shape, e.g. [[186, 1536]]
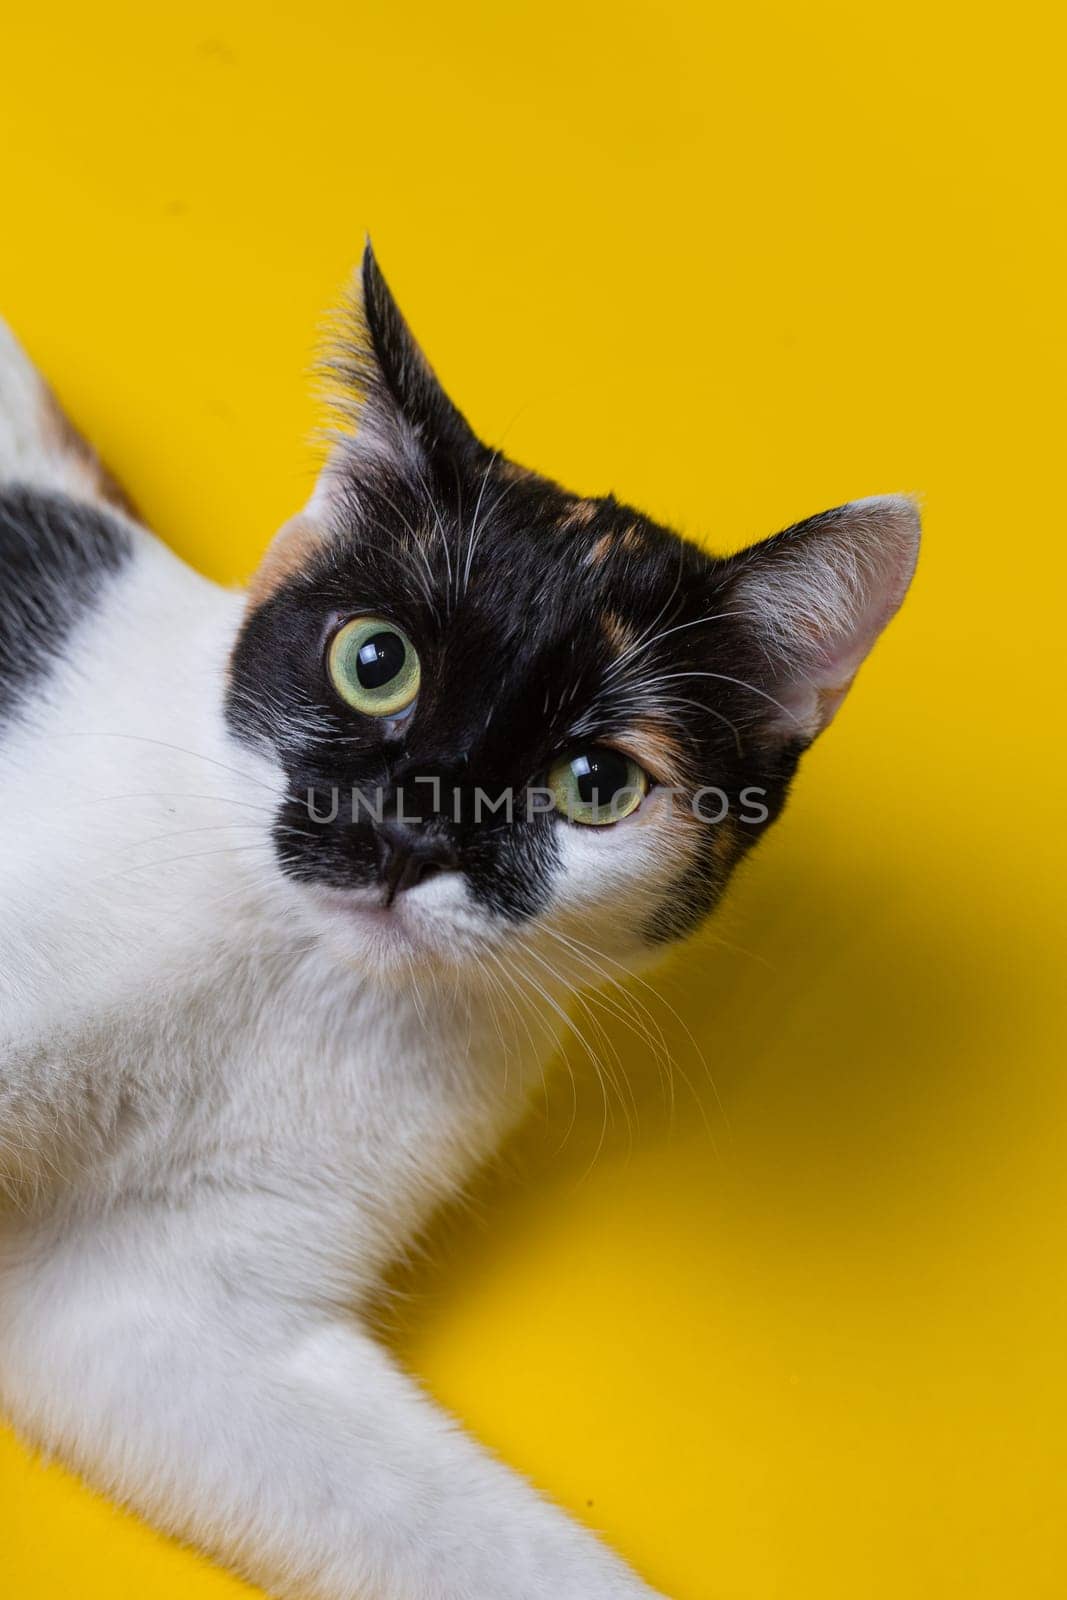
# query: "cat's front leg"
[[279, 1438]]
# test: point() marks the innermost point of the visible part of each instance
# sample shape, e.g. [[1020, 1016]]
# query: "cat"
[[295, 886]]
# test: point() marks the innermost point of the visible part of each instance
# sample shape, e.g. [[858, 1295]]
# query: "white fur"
[[225, 1107]]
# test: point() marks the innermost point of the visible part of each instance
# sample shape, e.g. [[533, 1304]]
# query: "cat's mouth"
[[371, 907], [430, 921]]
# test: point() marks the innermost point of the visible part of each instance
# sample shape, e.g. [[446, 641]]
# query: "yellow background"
[[737, 264]]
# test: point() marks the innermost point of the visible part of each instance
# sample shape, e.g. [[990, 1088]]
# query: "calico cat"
[[295, 885]]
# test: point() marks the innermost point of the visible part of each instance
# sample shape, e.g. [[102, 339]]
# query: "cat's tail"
[[39, 445]]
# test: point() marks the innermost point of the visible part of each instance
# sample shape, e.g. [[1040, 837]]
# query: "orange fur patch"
[[725, 847], [580, 515], [658, 751], [293, 546], [600, 551], [62, 437], [829, 699], [618, 634]]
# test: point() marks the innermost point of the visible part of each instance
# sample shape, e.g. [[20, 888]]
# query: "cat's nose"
[[410, 855]]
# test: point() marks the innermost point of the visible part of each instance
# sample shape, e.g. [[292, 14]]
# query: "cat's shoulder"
[[65, 528], [57, 558], [54, 549], [39, 444]]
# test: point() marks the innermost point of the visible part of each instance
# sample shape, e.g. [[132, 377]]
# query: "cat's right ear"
[[815, 598]]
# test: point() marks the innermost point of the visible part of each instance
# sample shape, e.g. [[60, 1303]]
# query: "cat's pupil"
[[599, 775], [379, 659]]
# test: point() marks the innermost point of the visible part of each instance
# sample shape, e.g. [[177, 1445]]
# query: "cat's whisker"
[[429, 589], [638, 649], [507, 991], [473, 535], [425, 588], [527, 1006], [216, 827], [576, 984], [173, 794], [676, 1016], [181, 833], [642, 700], [416, 995], [437, 519], [723, 677], [492, 989], [604, 1072], [644, 1026], [490, 512], [587, 956], [539, 994], [501, 497], [163, 744], [664, 609], [170, 861]]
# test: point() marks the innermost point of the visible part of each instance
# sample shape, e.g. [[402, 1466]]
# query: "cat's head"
[[503, 711]]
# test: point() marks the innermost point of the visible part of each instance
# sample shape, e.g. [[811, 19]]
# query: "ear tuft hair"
[[380, 383]]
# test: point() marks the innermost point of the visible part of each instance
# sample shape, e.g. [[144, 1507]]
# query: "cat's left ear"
[[816, 597]]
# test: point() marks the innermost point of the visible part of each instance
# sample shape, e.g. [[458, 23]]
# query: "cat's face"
[[507, 715]]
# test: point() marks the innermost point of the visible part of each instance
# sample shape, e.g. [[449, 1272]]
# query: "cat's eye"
[[374, 666], [597, 786]]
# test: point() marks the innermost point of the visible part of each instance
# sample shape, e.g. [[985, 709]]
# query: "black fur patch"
[[56, 556], [544, 624]]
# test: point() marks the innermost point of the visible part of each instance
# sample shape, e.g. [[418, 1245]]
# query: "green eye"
[[374, 666], [597, 787]]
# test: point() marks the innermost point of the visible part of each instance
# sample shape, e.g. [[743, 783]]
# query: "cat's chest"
[[330, 1103]]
